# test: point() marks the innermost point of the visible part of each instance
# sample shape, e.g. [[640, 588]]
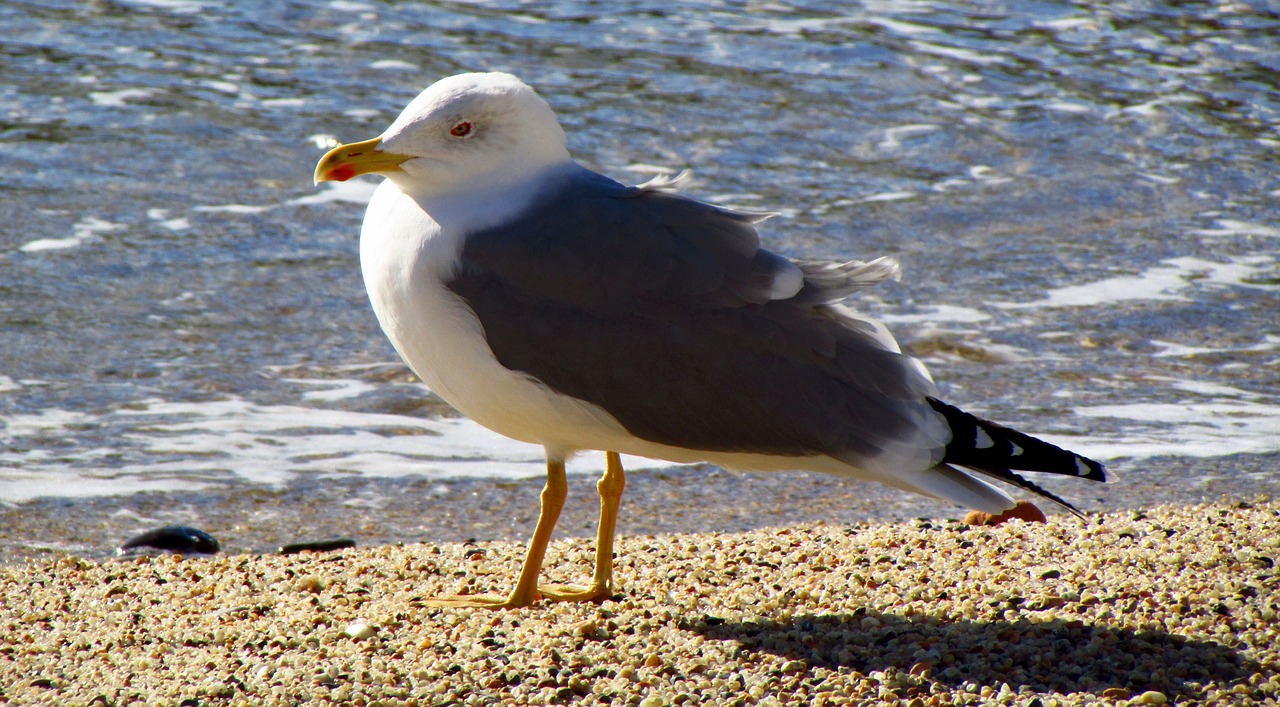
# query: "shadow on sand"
[[1063, 656]]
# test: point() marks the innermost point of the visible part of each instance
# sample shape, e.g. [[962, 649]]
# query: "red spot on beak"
[[341, 173]]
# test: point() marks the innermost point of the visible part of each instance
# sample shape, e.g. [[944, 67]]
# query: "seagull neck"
[[481, 203]]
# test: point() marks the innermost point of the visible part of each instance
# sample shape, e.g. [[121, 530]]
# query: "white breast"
[[406, 258]]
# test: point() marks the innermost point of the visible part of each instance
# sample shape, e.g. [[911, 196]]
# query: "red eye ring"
[[461, 129]]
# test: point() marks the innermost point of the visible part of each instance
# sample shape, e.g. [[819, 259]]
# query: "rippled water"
[[1083, 197]]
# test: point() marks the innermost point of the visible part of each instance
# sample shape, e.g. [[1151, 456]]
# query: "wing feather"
[[666, 313]]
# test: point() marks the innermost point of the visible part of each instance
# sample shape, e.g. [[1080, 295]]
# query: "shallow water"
[[1082, 195]]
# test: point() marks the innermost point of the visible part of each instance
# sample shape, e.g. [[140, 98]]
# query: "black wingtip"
[[987, 446], [997, 451]]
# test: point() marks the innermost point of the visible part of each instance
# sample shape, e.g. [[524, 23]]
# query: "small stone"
[[1116, 693], [793, 666], [1044, 603], [921, 668], [653, 661], [309, 583], [653, 701], [360, 630], [1152, 697]]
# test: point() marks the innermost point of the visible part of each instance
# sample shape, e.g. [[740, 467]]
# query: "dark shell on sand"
[[317, 546], [171, 538]]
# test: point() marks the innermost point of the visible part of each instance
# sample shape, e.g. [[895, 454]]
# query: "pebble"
[[179, 539], [812, 614], [360, 630], [920, 669], [317, 546]]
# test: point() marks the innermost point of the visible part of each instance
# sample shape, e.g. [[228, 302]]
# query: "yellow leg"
[[610, 487], [526, 591]]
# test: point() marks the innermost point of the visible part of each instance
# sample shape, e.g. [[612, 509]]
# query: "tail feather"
[[997, 451], [952, 484]]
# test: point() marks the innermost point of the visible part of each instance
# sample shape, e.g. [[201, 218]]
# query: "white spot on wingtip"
[[1082, 469], [1017, 451], [982, 440]]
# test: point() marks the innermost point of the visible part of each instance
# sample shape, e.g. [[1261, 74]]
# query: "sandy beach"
[[1172, 604]]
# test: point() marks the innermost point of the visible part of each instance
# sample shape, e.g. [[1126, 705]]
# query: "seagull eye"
[[461, 129]]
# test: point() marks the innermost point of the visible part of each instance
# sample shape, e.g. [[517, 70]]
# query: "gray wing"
[[666, 313], [590, 241]]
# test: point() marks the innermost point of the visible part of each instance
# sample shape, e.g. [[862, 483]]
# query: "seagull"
[[554, 305]]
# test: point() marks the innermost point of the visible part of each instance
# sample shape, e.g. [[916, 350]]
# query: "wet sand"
[[703, 499]]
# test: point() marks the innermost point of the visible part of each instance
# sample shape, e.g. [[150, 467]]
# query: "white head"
[[489, 128]]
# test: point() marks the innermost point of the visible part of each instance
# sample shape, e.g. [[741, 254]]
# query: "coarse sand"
[[1172, 604]]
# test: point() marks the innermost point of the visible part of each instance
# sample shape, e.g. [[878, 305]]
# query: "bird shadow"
[[1062, 656]]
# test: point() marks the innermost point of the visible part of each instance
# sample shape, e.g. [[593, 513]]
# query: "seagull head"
[[463, 130]]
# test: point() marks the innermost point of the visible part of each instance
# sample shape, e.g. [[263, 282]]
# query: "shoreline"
[[1163, 605], [698, 499]]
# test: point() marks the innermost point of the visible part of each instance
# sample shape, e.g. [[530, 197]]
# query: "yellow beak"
[[346, 161]]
